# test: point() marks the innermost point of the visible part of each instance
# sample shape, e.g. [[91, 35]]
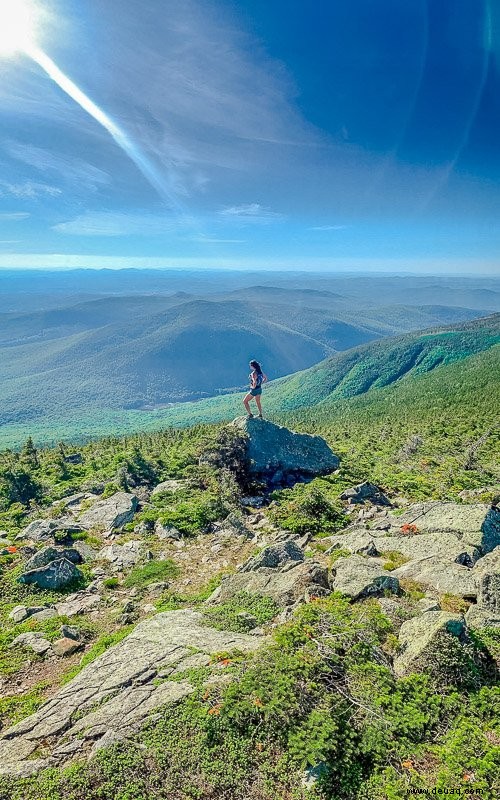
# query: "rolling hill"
[[104, 357], [365, 371]]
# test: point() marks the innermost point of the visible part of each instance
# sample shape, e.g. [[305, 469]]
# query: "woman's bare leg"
[[259, 406], [246, 403]]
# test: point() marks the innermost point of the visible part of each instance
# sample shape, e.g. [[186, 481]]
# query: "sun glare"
[[18, 23]]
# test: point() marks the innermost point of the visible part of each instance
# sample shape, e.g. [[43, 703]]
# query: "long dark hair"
[[256, 366]]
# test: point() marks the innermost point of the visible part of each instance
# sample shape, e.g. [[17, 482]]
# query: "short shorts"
[[256, 391]]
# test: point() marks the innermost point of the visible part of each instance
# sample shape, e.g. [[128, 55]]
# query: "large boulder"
[[40, 530], [114, 695], [55, 575], [358, 577], [442, 576], [48, 554], [446, 546], [113, 512], [168, 487], [273, 449], [275, 556], [365, 491], [421, 637]]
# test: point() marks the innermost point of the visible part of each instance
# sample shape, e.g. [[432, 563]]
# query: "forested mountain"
[[97, 360]]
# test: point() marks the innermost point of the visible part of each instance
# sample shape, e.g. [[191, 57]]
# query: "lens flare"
[[19, 23], [18, 26]]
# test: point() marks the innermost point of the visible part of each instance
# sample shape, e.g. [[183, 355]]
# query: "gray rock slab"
[[357, 577], [445, 545], [275, 556], [48, 554], [124, 556], [116, 692], [443, 577], [477, 617], [169, 486], [477, 525], [78, 603], [284, 587], [113, 512]]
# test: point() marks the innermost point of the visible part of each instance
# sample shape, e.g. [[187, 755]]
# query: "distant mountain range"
[[116, 365], [150, 351]]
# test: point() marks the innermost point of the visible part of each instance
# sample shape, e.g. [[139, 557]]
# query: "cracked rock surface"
[[113, 696]]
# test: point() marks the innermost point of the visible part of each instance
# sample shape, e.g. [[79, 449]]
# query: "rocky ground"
[[433, 567]]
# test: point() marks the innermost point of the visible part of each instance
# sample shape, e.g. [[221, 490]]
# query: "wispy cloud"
[[111, 223], [29, 189], [215, 240], [328, 228], [72, 170], [14, 216], [251, 213]]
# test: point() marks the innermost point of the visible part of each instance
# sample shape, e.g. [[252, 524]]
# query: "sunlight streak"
[[123, 141]]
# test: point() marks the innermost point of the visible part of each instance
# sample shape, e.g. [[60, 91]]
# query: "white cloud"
[[14, 216], [112, 223], [253, 213], [29, 189]]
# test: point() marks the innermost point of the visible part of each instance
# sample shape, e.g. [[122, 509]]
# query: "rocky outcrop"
[[286, 587], [281, 455], [169, 486], [113, 512], [47, 554], [112, 697], [448, 546], [279, 572], [421, 637], [359, 577]]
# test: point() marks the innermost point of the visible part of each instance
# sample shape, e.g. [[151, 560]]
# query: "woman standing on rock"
[[257, 378]]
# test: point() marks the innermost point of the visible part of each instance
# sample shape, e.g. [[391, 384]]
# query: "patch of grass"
[[14, 708], [393, 560], [150, 572], [453, 604], [414, 589], [226, 616], [339, 552], [111, 583]]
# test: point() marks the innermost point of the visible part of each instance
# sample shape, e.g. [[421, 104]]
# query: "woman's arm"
[[264, 378], [253, 379]]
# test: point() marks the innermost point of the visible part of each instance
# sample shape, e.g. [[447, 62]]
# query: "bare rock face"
[[113, 512], [365, 491], [279, 572], [114, 695], [475, 525], [277, 452]]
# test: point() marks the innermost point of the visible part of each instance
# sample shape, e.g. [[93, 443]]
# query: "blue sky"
[[342, 134]]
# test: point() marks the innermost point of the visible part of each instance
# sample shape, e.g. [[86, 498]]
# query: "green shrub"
[[225, 616], [152, 571], [307, 509]]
